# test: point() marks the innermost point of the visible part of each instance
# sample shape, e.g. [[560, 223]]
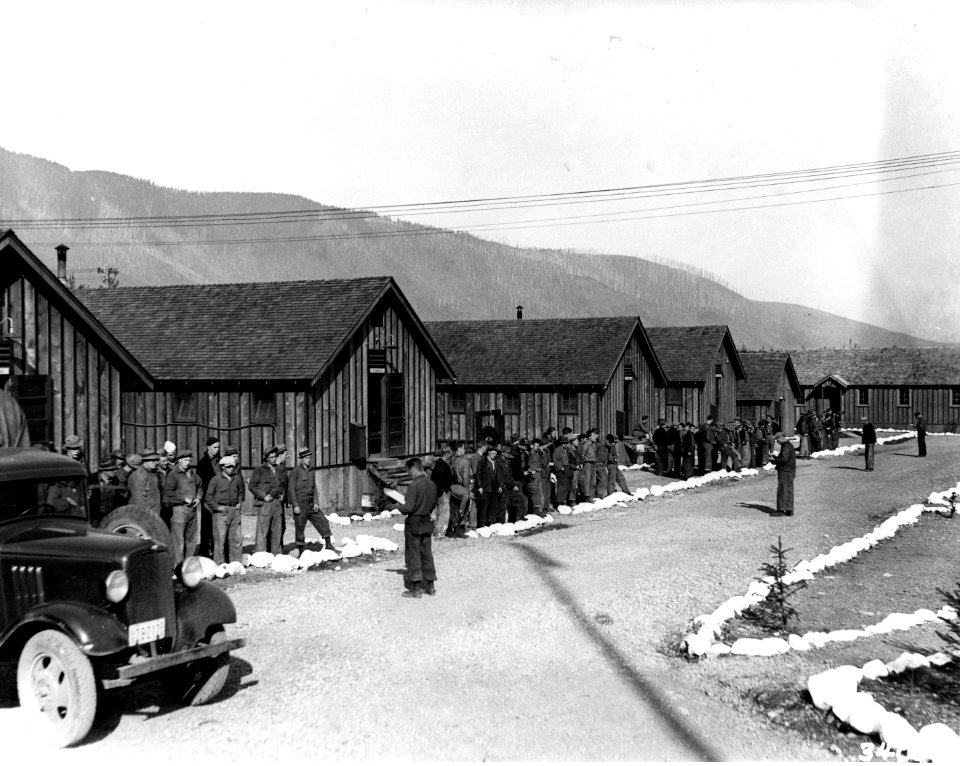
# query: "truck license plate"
[[145, 632]]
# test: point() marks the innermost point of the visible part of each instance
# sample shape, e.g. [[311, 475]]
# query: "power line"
[[422, 231], [734, 183]]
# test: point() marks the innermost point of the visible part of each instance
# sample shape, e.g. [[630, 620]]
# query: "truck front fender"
[[97, 632], [198, 609]]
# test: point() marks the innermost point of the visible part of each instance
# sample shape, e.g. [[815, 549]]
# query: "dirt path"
[[557, 645]]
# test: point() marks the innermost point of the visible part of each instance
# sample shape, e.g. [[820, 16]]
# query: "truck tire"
[[55, 684], [137, 521], [198, 683]]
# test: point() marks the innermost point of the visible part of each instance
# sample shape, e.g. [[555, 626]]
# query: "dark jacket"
[[786, 461], [485, 477], [224, 491], [420, 501], [869, 434], [441, 476], [263, 482], [180, 487], [206, 470], [301, 488], [144, 488]]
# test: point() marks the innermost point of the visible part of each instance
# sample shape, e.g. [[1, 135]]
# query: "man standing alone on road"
[[869, 439], [418, 533], [921, 434], [786, 463]]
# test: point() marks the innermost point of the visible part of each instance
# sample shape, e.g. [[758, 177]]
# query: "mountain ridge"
[[445, 274]]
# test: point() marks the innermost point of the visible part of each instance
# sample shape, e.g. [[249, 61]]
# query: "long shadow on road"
[[643, 689]]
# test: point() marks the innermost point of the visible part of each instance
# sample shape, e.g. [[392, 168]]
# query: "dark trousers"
[[686, 466], [183, 531], [615, 479], [311, 516], [563, 487], [601, 480], [714, 457], [269, 526], [532, 490], [547, 489], [487, 506], [589, 476], [785, 492], [663, 461], [418, 556], [868, 450], [512, 504], [206, 532], [702, 459], [922, 444]]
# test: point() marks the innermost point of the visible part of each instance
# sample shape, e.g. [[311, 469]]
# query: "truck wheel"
[[197, 683], [137, 521], [55, 680]]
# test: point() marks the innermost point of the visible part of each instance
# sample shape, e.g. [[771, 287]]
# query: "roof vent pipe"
[[62, 263], [519, 312]]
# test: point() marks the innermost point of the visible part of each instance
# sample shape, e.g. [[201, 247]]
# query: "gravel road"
[[558, 645]]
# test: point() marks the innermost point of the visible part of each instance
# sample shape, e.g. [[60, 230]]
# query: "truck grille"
[[27, 586], [151, 590]]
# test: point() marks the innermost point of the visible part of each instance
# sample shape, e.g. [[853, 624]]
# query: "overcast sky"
[[360, 104]]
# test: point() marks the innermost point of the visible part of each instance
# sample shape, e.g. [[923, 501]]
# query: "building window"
[[903, 397], [263, 409], [569, 404], [863, 397], [184, 407], [674, 396], [511, 404], [955, 396], [458, 402]]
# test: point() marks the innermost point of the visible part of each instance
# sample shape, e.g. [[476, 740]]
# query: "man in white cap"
[[223, 498], [786, 463]]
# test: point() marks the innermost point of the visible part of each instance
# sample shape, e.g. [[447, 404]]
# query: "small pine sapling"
[[951, 636], [776, 610]]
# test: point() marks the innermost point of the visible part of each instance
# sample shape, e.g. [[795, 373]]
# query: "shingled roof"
[[687, 353], [763, 370], [253, 331], [532, 353], [17, 260], [931, 366]]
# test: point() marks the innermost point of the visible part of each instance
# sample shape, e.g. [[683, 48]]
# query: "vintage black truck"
[[83, 609]]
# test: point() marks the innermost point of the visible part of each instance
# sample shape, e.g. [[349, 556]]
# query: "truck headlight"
[[118, 585], [191, 573]]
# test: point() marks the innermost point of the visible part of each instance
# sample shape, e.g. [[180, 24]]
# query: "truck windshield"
[[36, 497]]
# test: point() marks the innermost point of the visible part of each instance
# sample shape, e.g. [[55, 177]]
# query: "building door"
[[627, 410], [486, 421], [395, 416], [375, 412]]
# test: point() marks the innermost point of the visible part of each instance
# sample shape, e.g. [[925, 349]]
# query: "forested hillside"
[[446, 275]]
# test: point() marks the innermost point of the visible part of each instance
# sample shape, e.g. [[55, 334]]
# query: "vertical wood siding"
[[85, 384], [885, 411]]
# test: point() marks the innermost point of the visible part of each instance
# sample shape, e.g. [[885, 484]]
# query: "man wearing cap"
[[533, 476], [181, 495], [284, 473], [786, 463], [168, 456], [513, 503], [921, 434], [266, 490], [120, 462], [73, 449], [302, 495], [869, 440], [207, 467], [144, 483], [487, 487], [661, 440], [420, 501], [223, 497], [131, 463]]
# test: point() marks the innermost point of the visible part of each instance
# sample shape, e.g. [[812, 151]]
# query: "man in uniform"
[[181, 495], [266, 490], [223, 497], [869, 440], [144, 483], [302, 496], [786, 463], [921, 434], [418, 533]]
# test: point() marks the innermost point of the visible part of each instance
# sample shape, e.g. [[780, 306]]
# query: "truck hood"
[[69, 539]]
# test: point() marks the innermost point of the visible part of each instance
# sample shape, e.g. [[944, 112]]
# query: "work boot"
[[328, 543], [429, 588], [413, 592]]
